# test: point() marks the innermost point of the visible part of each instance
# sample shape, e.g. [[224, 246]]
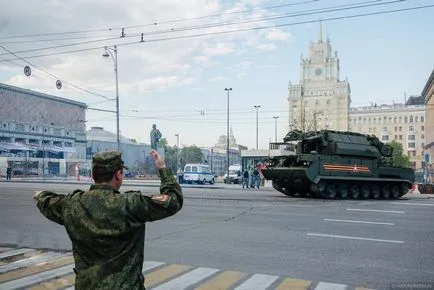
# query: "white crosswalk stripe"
[[330, 286], [14, 252], [36, 278], [39, 269], [188, 279], [257, 282], [32, 260]]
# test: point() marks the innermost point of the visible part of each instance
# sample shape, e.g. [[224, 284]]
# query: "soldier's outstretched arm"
[[51, 205], [142, 208]]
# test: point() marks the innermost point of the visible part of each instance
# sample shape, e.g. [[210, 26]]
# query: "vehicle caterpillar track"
[[334, 164]]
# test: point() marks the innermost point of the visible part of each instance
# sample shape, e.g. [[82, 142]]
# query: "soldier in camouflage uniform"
[[106, 227]]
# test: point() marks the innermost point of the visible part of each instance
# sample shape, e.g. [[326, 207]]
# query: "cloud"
[[157, 83], [219, 49], [218, 79], [267, 47], [168, 68], [276, 34], [205, 61]]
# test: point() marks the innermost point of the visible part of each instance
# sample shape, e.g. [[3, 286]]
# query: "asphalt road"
[[351, 242]]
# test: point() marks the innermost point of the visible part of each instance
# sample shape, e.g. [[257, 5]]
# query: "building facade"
[[133, 153], [40, 133], [216, 156], [428, 95], [400, 122], [321, 100]]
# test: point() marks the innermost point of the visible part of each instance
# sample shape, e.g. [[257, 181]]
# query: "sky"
[[194, 49]]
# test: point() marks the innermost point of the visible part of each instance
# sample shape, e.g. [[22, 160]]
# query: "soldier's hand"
[[159, 162], [36, 195]]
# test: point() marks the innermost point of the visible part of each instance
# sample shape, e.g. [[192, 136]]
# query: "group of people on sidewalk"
[[251, 178]]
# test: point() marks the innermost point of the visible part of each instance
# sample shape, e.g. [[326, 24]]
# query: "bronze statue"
[[155, 137]]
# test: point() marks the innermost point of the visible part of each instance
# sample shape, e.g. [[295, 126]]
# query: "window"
[[193, 169], [385, 138], [422, 128], [410, 128], [400, 137], [411, 119], [422, 136], [396, 129], [417, 119], [422, 119], [411, 137], [411, 145]]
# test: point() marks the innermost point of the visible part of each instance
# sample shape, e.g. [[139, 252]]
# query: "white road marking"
[[375, 210], [360, 222], [257, 282], [147, 265], [330, 286], [15, 252], [45, 257], [188, 279], [355, 238], [37, 278], [413, 203]]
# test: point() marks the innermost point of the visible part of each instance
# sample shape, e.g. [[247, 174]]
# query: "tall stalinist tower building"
[[321, 100]]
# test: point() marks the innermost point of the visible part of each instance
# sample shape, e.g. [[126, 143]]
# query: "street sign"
[[27, 70], [58, 84]]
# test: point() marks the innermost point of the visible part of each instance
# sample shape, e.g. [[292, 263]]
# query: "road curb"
[[156, 184]]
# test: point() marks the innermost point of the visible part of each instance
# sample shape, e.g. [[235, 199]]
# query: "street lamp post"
[[115, 60], [257, 107], [227, 137], [275, 128], [177, 149], [43, 149]]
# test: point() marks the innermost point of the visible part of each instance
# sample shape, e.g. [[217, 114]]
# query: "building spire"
[[320, 31]]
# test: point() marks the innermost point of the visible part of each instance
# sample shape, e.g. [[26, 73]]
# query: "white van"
[[234, 174], [198, 173]]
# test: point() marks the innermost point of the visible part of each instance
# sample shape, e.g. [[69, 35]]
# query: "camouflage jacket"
[[107, 229]]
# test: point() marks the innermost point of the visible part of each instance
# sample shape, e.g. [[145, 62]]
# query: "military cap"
[[109, 160]]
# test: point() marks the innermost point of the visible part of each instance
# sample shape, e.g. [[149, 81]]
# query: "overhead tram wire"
[[337, 8], [239, 30], [52, 75], [163, 22]]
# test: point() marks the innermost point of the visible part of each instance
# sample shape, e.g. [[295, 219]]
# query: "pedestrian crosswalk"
[[34, 269]]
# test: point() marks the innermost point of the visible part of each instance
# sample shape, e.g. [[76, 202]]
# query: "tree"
[[192, 154], [399, 158], [162, 143]]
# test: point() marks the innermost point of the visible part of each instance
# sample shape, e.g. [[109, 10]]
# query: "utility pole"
[[43, 148], [275, 128], [257, 107], [115, 60], [177, 149], [227, 137]]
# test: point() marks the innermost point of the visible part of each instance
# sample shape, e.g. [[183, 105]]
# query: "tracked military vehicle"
[[333, 164]]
